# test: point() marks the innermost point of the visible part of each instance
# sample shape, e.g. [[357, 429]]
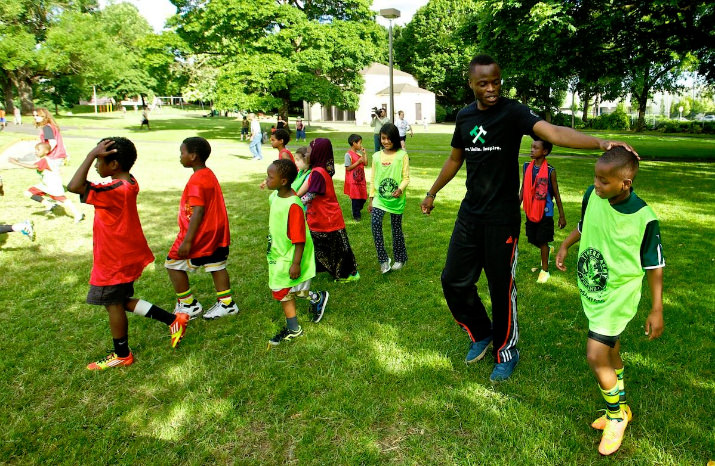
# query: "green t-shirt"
[[298, 182], [614, 250], [281, 249], [387, 179]]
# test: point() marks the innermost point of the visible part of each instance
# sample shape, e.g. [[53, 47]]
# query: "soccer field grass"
[[381, 379]]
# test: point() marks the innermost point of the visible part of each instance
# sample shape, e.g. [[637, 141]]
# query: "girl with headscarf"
[[325, 218]]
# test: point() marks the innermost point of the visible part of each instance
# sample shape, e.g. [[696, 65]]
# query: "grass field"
[[381, 379]]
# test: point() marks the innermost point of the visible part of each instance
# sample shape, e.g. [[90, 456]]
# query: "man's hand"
[[562, 222], [427, 205], [606, 145]]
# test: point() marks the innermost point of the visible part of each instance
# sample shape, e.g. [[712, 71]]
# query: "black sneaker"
[[285, 335], [317, 308]]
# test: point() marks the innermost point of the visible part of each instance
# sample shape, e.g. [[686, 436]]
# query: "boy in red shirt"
[[120, 248], [203, 237]]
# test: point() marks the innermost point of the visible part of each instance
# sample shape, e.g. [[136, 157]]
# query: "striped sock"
[[613, 408], [186, 297], [621, 388], [224, 297]]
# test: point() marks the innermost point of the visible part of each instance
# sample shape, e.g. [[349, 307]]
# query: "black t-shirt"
[[490, 140]]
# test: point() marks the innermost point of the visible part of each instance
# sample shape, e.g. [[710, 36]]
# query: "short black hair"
[[286, 169], [282, 135], [353, 138], [199, 146], [393, 134], [548, 147], [126, 152], [625, 162], [482, 60]]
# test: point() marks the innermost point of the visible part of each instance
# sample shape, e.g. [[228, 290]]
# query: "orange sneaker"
[[613, 435], [600, 423], [178, 328], [111, 361]]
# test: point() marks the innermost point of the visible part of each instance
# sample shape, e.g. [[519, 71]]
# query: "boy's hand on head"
[[294, 271], [654, 324], [102, 149], [561, 257]]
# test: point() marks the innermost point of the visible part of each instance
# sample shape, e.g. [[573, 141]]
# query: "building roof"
[[404, 89], [382, 70]]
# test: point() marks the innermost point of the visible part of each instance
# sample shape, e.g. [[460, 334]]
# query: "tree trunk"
[[586, 106], [22, 80], [7, 93], [642, 99]]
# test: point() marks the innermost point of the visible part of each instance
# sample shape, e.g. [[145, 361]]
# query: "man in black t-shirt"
[[487, 136]]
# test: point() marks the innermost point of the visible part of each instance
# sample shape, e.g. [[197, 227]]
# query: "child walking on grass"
[[389, 179], [539, 190], [620, 239], [204, 236], [120, 248], [50, 191], [291, 259], [355, 186]]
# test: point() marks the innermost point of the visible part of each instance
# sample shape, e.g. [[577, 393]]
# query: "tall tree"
[[23, 29], [433, 49], [270, 52]]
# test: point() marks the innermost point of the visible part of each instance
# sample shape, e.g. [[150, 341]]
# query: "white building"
[[417, 103]]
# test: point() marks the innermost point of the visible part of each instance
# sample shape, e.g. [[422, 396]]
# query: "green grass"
[[381, 379]]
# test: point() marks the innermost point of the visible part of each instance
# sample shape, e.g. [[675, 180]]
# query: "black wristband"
[[429, 194]]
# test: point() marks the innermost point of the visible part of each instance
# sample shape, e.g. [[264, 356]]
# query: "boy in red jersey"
[[203, 237], [120, 248]]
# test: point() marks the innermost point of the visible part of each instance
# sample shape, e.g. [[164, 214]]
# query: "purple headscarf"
[[321, 155]]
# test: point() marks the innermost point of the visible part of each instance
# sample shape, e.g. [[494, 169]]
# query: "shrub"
[[616, 120], [564, 119], [440, 113]]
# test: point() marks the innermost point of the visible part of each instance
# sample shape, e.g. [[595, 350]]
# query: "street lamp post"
[[390, 14]]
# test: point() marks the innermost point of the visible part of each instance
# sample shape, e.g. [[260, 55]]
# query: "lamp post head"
[[390, 13]]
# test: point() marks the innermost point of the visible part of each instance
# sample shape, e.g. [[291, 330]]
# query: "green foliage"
[[564, 119], [434, 49], [618, 119], [440, 113], [679, 126], [270, 53]]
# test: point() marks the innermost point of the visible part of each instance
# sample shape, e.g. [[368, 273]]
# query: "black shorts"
[[403, 138], [605, 339], [540, 233], [110, 294]]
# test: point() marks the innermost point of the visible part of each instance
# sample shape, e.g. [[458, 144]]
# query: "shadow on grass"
[[380, 379]]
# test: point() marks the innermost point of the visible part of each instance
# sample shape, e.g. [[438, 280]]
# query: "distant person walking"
[[256, 137], [145, 119], [17, 116], [403, 127]]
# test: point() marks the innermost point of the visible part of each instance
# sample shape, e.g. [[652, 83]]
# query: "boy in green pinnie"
[[291, 258], [620, 239]]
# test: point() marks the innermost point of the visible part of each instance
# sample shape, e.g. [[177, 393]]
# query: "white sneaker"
[[193, 309], [219, 310], [398, 265], [78, 218], [385, 266], [543, 277]]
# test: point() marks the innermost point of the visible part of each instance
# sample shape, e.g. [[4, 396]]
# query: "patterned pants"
[[398, 238]]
